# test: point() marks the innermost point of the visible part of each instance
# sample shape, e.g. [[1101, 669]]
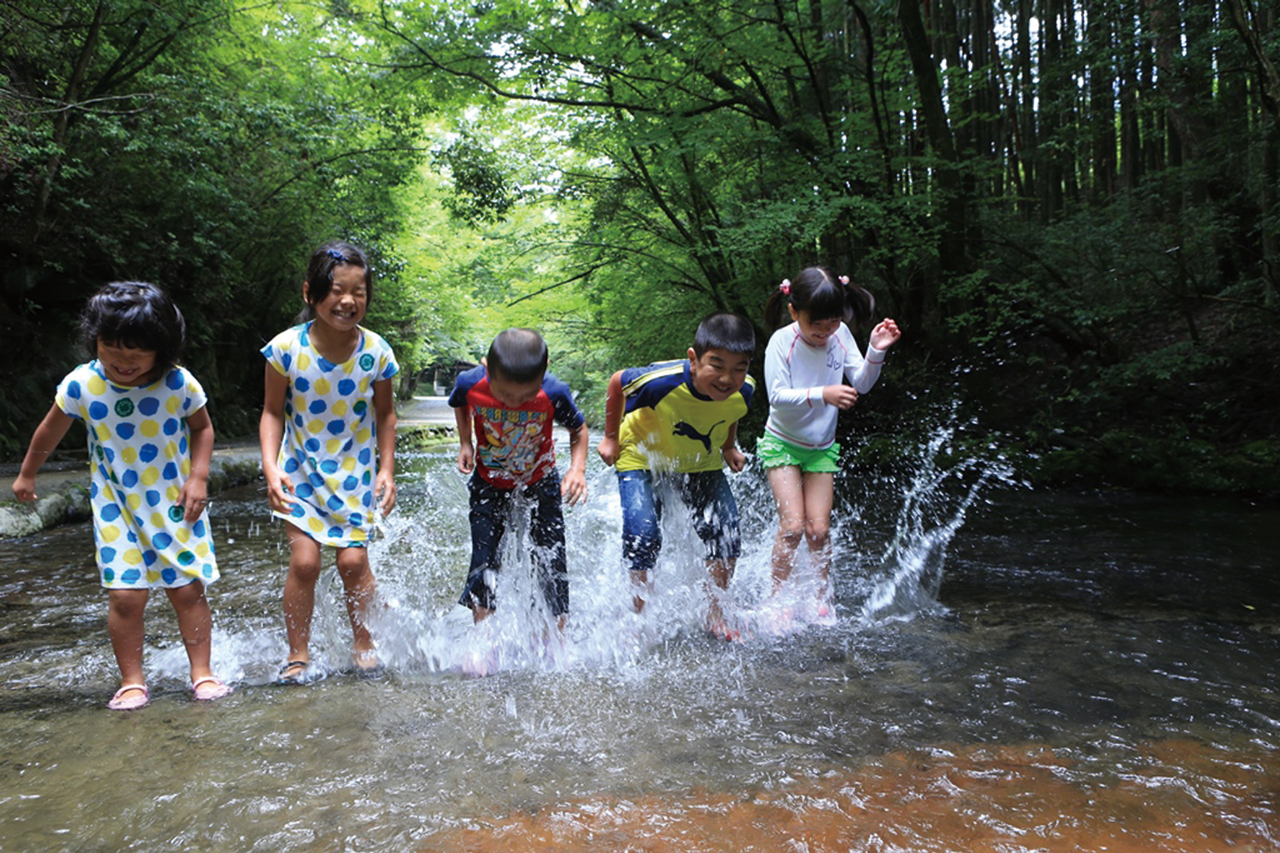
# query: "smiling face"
[[126, 366], [814, 332], [344, 306], [718, 373]]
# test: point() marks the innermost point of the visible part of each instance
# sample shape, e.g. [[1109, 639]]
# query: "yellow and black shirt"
[[668, 426]]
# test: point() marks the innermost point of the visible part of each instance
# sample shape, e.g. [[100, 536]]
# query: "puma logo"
[[684, 429]]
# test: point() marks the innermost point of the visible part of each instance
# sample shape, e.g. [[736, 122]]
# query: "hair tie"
[[844, 279], [336, 255], [785, 287]]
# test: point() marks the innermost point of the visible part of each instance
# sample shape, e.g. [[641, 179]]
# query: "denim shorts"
[[491, 509], [705, 494]]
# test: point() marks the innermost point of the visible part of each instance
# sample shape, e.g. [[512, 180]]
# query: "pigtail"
[[776, 314], [859, 304]]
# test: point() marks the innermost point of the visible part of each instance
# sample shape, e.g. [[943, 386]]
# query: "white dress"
[[330, 446], [140, 456]]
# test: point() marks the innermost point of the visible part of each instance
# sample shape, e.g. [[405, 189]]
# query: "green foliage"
[[482, 192], [1063, 222], [713, 161], [202, 146]]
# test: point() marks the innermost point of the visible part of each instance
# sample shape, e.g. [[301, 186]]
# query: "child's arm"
[[885, 335], [861, 372], [270, 434], [733, 457], [574, 485], [43, 442], [384, 407], [194, 495], [614, 403], [466, 450]]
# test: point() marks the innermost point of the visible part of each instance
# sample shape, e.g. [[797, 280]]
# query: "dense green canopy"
[[1070, 206]]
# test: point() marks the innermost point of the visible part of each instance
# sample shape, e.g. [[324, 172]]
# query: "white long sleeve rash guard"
[[795, 372]]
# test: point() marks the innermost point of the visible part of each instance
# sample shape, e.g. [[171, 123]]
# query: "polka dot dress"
[[329, 451], [140, 457]]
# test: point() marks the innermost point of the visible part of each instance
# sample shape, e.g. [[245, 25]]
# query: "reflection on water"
[[1173, 795], [1097, 672]]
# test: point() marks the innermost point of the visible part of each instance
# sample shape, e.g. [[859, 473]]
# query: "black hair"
[[320, 272], [518, 355], [137, 315], [823, 296], [726, 331]]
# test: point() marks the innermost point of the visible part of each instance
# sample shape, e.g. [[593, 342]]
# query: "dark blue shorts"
[[711, 506], [491, 510]]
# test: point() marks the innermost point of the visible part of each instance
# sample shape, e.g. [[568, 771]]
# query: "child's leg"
[[547, 533], [721, 572], [125, 608], [195, 623], [789, 494], [489, 507], [641, 530], [360, 588], [300, 592], [715, 520], [819, 495]]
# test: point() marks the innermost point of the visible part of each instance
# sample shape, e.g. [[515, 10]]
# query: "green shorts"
[[773, 452]]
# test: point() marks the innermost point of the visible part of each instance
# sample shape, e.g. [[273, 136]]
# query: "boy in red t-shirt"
[[508, 403]]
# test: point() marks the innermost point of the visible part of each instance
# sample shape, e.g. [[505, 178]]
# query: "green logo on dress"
[[366, 362], [124, 408], [175, 513]]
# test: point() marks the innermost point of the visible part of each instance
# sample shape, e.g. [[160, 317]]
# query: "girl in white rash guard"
[[804, 368]]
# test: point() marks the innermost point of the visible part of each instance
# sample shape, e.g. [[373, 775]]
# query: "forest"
[[1069, 206]]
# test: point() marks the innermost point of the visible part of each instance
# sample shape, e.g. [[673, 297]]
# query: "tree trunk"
[[952, 251], [61, 126], [1102, 118]]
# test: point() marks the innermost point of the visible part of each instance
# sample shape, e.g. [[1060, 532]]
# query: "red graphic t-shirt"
[[514, 447]]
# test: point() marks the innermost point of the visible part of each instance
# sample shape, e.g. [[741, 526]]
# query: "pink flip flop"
[[132, 703], [209, 688]]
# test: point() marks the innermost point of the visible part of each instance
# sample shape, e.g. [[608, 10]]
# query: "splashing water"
[[421, 563], [934, 505]]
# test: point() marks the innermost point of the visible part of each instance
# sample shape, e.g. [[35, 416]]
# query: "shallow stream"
[[1011, 670]]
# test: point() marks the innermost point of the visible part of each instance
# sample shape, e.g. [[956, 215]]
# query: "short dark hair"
[[726, 331], [320, 270], [134, 314], [518, 355]]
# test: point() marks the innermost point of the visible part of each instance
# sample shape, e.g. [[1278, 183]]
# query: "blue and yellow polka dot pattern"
[[329, 449], [139, 457]]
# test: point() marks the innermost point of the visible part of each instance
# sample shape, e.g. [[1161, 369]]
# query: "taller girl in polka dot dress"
[[328, 435], [150, 442]]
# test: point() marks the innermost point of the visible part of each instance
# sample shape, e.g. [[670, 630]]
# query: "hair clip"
[[844, 279], [336, 255], [785, 287]]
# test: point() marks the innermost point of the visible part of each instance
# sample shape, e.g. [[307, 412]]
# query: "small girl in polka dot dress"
[[328, 435], [150, 441]]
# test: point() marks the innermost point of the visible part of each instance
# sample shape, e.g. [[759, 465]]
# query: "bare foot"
[[366, 661]]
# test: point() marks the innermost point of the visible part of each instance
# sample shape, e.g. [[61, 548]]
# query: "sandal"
[[293, 672], [209, 688], [120, 702]]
